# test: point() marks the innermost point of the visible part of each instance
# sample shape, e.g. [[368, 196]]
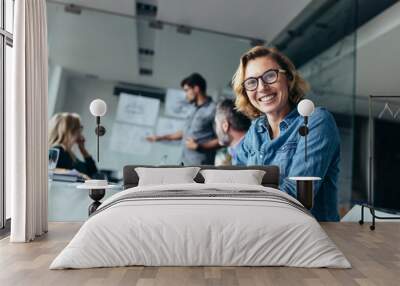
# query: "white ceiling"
[[89, 44], [262, 19], [106, 45], [214, 56]]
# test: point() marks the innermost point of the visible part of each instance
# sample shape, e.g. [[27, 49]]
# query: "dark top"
[[65, 161], [200, 127]]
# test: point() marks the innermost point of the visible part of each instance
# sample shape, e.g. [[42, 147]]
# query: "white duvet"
[[183, 231]]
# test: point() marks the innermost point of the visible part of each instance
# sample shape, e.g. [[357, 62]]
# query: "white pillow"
[[249, 177], [164, 176]]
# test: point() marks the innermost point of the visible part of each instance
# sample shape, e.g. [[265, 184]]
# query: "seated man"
[[231, 127]]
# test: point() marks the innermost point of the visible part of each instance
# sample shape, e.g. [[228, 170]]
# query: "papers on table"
[[64, 175]]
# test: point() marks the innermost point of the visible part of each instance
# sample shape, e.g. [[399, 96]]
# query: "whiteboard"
[[130, 139], [137, 109]]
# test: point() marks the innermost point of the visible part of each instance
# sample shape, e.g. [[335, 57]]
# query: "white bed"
[[222, 225]]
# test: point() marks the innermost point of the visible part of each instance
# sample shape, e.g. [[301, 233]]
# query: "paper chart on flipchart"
[[136, 109]]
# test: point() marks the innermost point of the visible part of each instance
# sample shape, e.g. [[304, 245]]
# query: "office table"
[[67, 203]]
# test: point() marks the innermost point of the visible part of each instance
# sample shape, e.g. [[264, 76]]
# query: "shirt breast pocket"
[[252, 158], [284, 157], [201, 121]]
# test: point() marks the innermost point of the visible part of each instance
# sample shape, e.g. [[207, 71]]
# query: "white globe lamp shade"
[[98, 107], [305, 107]]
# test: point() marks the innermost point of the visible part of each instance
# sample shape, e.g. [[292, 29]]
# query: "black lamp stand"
[[303, 130], [100, 131]]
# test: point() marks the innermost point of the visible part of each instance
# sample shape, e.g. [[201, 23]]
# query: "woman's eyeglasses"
[[269, 77]]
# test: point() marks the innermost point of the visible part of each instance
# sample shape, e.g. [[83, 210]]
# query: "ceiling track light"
[[182, 29], [321, 26], [156, 25], [73, 9], [294, 33], [144, 9], [257, 42], [146, 52], [145, 71]]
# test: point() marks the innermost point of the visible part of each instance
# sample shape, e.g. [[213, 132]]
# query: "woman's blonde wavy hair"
[[298, 87], [62, 127]]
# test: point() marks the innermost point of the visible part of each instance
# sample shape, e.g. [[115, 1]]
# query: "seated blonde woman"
[[66, 131]]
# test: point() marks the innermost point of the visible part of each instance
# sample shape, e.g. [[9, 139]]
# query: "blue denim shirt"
[[287, 152]]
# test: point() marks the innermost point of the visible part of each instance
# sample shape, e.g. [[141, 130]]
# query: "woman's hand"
[[81, 145], [81, 141], [84, 176]]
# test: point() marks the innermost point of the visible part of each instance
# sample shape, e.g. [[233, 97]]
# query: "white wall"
[[93, 43], [58, 77]]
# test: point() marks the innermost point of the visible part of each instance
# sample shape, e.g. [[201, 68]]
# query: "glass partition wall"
[[332, 76], [135, 66], [101, 55], [94, 54]]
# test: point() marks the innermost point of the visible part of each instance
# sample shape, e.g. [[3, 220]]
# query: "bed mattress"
[[201, 225]]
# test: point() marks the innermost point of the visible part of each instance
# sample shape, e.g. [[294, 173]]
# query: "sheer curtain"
[[27, 123]]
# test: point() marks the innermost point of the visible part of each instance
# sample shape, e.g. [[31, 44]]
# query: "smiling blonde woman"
[[268, 88]]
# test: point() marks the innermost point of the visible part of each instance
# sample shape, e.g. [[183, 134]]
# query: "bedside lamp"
[[305, 108], [305, 184], [98, 108]]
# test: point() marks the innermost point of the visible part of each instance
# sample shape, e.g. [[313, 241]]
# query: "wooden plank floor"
[[375, 257]]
